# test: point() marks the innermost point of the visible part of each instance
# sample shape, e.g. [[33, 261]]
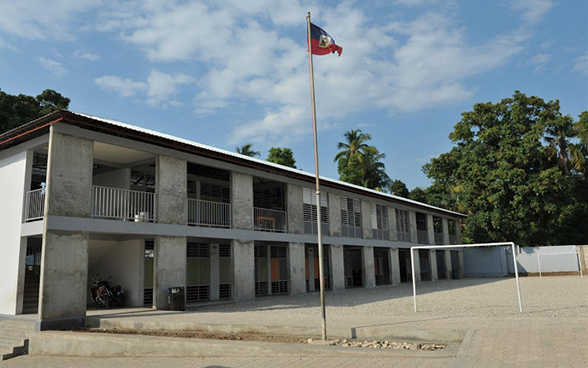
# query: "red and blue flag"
[[321, 43]]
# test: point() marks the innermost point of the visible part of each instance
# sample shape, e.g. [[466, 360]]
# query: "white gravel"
[[556, 296]]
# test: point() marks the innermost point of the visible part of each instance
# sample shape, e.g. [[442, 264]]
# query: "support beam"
[[170, 267], [297, 270], [243, 269], [369, 271], [395, 266], [337, 266]]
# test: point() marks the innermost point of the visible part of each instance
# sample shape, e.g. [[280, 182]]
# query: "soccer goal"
[[539, 255], [514, 260]]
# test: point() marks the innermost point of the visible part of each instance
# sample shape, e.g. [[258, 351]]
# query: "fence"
[[207, 213], [269, 220], [35, 204], [122, 204]]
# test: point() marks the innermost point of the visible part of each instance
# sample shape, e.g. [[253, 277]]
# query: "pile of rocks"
[[382, 344]]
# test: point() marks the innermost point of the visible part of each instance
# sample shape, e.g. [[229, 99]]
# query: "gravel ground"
[[561, 296]]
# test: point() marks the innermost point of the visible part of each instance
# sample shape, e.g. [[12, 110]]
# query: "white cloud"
[[159, 89], [533, 10], [581, 65], [52, 66], [80, 54], [124, 87], [539, 61], [41, 19]]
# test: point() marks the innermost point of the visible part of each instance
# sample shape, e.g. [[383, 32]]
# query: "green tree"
[[418, 194], [247, 150], [16, 110], [502, 175], [355, 146], [282, 156], [399, 188]]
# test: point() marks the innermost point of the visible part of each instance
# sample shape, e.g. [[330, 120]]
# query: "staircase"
[[31, 293], [14, 337]]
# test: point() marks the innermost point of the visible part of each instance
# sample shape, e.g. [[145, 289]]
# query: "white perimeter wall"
[[12, 189], [124, 262]]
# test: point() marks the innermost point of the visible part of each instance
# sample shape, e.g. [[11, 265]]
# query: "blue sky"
[[226, 73]]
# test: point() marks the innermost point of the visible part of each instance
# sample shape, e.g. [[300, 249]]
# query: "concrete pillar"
[[334, 214], [337, 266], [366, 219], [413, 227], [395, 266], [448, 266], [461, 265], [433, 262], [445, 225], [417, 265], [170, 267], [64, 264], [392, 224], [295, 209], [242, 201], [243, 269], [297, 269], [310, 269], [430, 230], [214, 272], [369, 271], [172, 190], [458, 238]]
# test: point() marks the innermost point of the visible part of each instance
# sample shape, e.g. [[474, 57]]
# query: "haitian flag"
[[322, 43]]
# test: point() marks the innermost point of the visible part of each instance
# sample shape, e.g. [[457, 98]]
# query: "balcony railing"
[[452, 239], [422, 237], [35, 204], [124, 204], [269, 220], [207, 213], [439, 239]]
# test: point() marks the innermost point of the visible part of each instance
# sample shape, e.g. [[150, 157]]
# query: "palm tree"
[[247, 151], [374, 172], [355, 146], [557, 134]]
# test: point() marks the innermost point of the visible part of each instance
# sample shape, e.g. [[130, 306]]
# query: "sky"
[[226, 73]]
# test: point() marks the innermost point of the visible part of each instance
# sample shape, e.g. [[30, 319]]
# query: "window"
[[351, 217], [310, 211], [380, 222], [402, 225]]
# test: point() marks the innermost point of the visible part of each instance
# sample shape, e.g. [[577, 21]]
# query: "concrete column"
[[310, 269], [334, 214], [214, 272], [433, 262], [458, 238], [170, 267], [337, 266], [172, 190], [64, 264], [445, 231], [461, 265], [392, 224], [295, 209], [417, 265], [243, 269], [395, 266], [297, 267], [369, 271], [242, 202], [366, 219], [413, 227], [448, 266], [430, 230], [64, 276]]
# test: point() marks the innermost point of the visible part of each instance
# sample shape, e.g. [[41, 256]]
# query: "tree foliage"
[[282, 156], [397, 187], [360, 164], [511, 172], [247, 150], [16, 110]]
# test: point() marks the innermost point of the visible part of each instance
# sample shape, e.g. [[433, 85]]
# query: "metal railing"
[[422, 237], [439, 239], [452, 239], [35, 204], [269, 220], [123, 204], [207, 213]]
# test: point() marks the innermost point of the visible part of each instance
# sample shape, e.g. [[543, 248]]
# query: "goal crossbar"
[[454, 246]]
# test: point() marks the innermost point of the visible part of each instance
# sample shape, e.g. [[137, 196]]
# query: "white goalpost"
[[556, 254], [514, 260]]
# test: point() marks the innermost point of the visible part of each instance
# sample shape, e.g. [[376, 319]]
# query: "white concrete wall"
[[12, 190], [123, 263]]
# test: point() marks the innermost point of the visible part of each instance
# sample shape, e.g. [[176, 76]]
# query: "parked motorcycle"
[[104, 294]]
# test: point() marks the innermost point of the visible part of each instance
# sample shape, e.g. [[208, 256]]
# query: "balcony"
[[269, 220], [439, 239], [123, 204], [34, 205], [209, 214]]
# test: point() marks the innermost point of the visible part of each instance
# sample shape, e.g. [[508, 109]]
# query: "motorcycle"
[[104, 294]]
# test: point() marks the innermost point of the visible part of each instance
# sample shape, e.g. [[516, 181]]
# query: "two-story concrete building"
[[82, 196]]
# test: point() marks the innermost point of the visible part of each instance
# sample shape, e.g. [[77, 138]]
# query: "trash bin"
[[175, 298]]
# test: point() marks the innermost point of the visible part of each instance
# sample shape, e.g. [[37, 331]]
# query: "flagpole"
[[318, 192]]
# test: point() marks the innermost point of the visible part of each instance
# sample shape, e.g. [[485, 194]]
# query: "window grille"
[[402, 225], [380, 222], [351, 217], [309, 205]]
